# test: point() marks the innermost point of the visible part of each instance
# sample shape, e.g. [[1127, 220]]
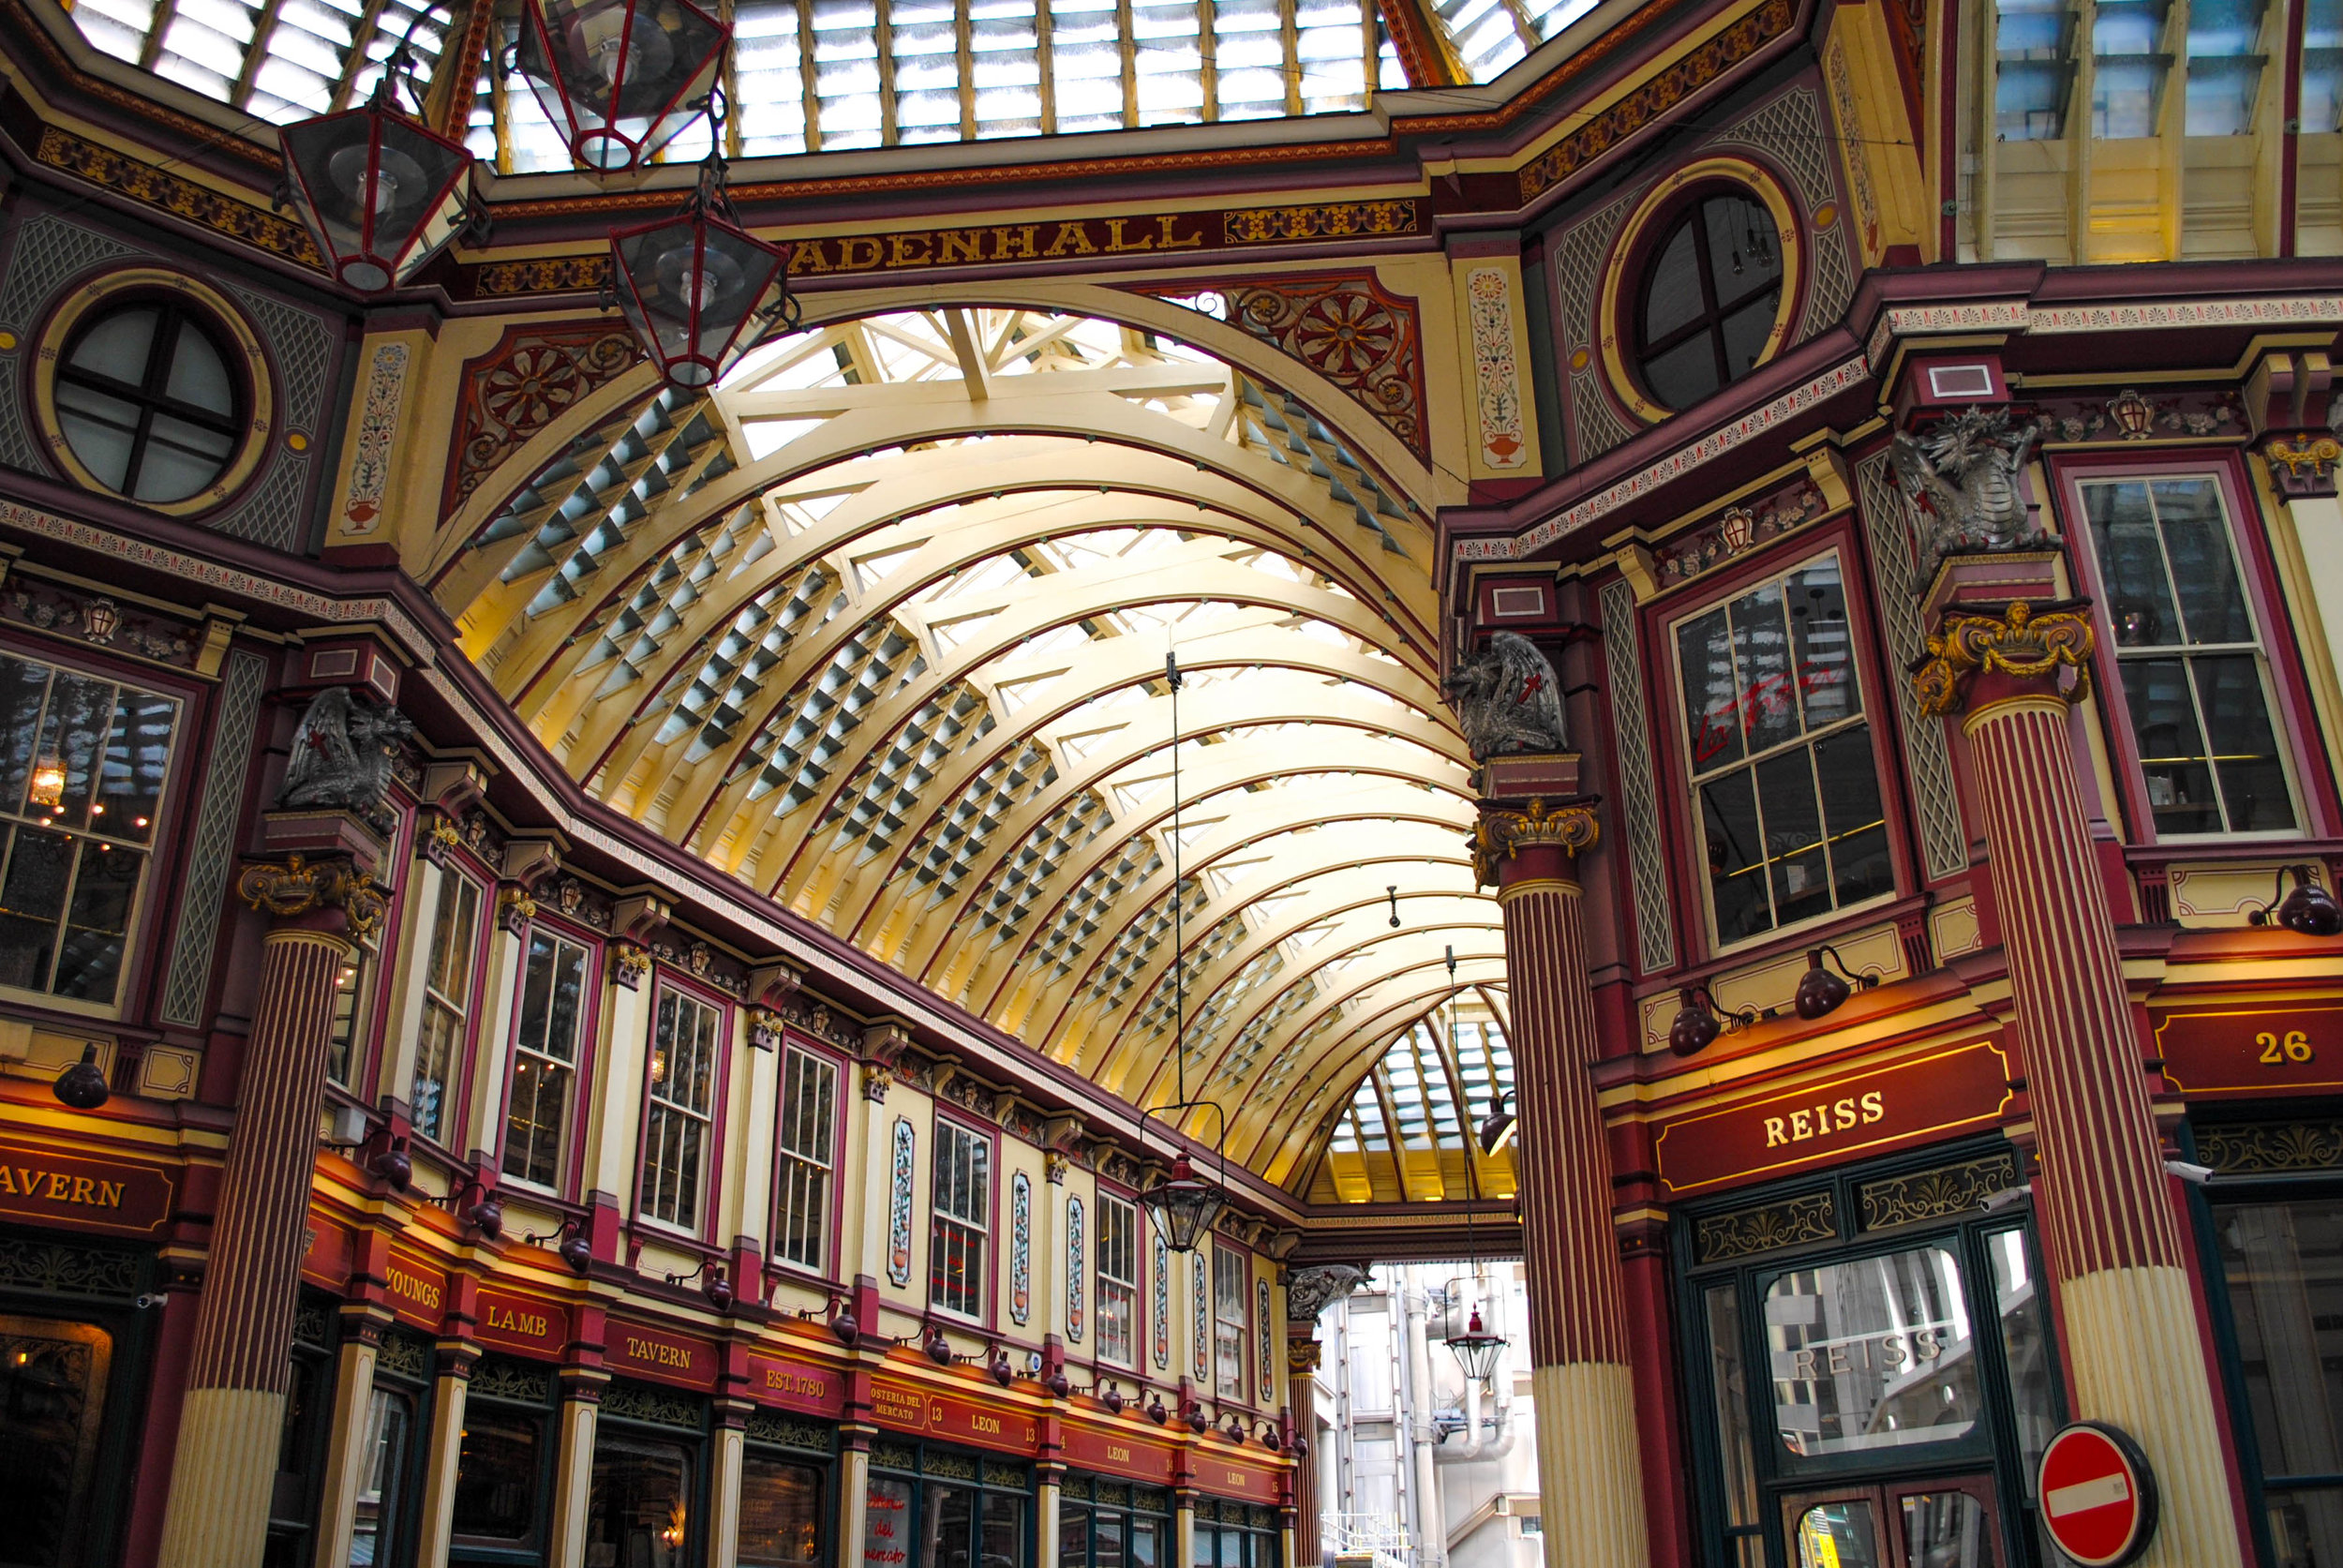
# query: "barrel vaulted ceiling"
[[878, 628]]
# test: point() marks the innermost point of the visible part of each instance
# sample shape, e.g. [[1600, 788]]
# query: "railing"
[[1379, 1538]]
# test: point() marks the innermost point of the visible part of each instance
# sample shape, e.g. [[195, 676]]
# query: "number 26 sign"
[[2252, 1050]]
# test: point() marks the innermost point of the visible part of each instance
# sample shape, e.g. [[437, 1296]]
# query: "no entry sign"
[[2098, 1495]]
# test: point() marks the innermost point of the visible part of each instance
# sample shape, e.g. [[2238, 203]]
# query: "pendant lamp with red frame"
[[619, 77], [698, 289], [380, 192]]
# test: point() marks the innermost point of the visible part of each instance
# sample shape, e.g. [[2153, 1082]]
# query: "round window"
[[1710, 294], [149, 401]]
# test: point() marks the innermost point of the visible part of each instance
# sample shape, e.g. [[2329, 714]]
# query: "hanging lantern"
[[1477, 1350], [620, 77], [697, 288], [381, 195], [1184, 1205]]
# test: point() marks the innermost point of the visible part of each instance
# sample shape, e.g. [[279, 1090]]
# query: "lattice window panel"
[[1069, 936], [1622, 659], [798, 745], [1281, 427], [1204, 1031], [1299, 1048], [1135, 945], [1017, 887], [1250, 1041], [728, 681], [948, 851], [1927, 758], [1155, 1017], [634, 477], [888, 783]]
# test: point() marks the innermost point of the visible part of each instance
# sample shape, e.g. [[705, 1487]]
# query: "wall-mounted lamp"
[[576, 1251], [1495, 1125], [1156, 1412], [1196, 1418], [2309, 910], [1819, 990], [82, 1085], [1696, 1024], [938, 1348], [485, 1212], [714, 1286]]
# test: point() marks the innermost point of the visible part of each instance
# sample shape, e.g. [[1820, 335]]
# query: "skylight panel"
[[1086, 65], [119, 27], [1332, 48], [1248, 52], [925, 34], [1005, 67], [768, 68], [1167, 60], [847, 74]]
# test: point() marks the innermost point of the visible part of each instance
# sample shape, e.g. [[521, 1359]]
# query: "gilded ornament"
[[299, 886], [633, 964], [514, 910], [1502, 832], [2019, 644]]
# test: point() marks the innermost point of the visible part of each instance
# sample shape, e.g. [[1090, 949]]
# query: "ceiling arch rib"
[[880, 625]]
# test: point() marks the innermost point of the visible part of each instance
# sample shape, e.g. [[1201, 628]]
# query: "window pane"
[[98, 926], [1003, 1545], [948, 1521], [1728, 810], [1787, 804], [1673, 297], [1837, 1535], [2196, 536], [32, 900], [2254, 795], [2306, 1525], [637, 1509], [1712, 706], [781, 1514], [1872, 1354], [1946, 1530], [1728, 1387], [1073, 1536], [2283, 1266], [379, 1502], [2172, 761], [886, 1523], [2131, 565], [2025, 1345], [1761, 655], [497, 1474], [52, 1395], [1849, 776]]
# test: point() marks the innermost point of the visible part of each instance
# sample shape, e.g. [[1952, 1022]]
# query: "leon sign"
[[2098, 1495]]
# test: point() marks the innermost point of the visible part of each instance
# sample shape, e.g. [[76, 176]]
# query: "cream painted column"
[[1589, 1462], [745, 1213], [574, 1466], [1045, 1524], [624, 1035], [853, 1500], [445, 1454], [882, 1046], [346, 1451], [724, 1495], [1182, 1531], [2128, 1313]]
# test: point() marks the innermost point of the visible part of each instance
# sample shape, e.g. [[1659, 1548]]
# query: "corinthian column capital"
[[1504, 832], [2026, 647], [298, 887]]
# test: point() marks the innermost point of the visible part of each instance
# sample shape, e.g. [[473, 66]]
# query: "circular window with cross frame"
[[1701, 292], [151, 387]]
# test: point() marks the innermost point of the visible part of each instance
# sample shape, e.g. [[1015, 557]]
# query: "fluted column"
[[238, 1375], [2126, 1313], [1587, 1466]]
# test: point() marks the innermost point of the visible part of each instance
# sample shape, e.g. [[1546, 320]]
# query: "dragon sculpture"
[[1964, 474], [342, 754], [1507, 699]]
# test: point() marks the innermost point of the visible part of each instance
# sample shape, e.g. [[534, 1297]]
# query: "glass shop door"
[[1940, 1522]]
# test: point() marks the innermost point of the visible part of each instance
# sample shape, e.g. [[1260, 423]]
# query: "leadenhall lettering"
[[1009, 241]]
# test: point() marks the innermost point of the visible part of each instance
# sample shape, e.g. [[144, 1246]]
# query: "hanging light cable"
[[1186, 1203]]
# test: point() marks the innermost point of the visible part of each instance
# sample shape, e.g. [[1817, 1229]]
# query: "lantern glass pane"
[[691, 285], [379, 190], [623, 76]]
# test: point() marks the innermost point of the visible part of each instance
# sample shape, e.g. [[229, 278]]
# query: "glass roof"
[[1411, 1125], [833, 75], [878, 628]]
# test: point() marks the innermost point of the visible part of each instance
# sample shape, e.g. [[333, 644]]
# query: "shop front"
[[80, 1283], [1872, 1378], [2264, 1083]]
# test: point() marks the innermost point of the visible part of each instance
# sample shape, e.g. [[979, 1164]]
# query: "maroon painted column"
[[1589, 1469], [238, 1371], [2009, 670]]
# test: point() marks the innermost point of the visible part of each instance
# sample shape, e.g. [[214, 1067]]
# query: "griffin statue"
[[1964, 473], [1507, 699]]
